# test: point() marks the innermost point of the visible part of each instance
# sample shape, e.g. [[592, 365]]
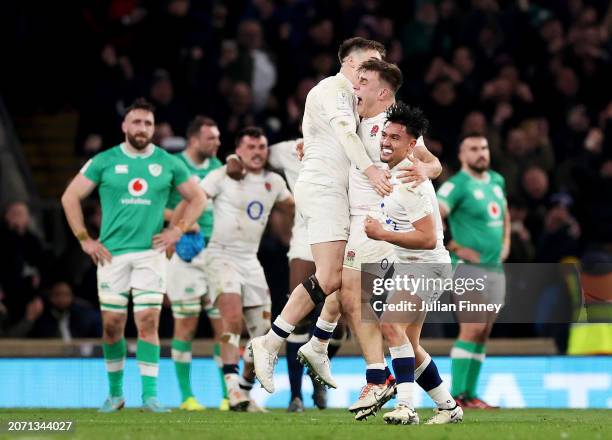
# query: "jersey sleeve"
[[278, 154], [93, 168], [211, 184], [338, 102], [449, 194], [283, 192], [415, 203], [180, 173]]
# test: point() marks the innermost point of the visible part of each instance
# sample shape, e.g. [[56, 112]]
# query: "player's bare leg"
[[427, 377], [114, 347], [216, 324], [257, 321], [230, 307], [147, 355], [327, 279], [380, 384], [313, 354], [184, 332]]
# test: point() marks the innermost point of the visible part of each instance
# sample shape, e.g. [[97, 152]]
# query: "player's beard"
[[479, 166], [139, 141]]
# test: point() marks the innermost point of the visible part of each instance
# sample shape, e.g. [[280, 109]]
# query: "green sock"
[[147, 355], [114, 358], [474, 370], [181, 354], [462, 354], [219, 362]]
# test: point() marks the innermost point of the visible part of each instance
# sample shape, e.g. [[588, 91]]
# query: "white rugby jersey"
[[362, 196], [407, 204], [283, 156], [325, 162], [242, 207]]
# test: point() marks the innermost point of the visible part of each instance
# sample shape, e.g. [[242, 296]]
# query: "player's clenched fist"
[[96, 250], [373, 228], [379, 179]]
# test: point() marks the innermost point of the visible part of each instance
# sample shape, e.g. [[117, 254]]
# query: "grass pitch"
[[313, 424]]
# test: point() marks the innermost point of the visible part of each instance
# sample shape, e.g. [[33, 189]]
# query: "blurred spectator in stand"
[[237, 114], [535, 191], [561, 232], [23, 327], [254, 66], [168, 108], [521, 245], [67, 317], [22, 260]]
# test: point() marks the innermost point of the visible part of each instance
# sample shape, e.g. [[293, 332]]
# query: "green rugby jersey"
[[206, 219], [134, 192], [476, 213]]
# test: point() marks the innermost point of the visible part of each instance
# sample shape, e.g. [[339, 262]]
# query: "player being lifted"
[[238, 285], [187, 284], [284, 156], [412, 223], [475, 204], [134, 179], [330, 145], [378, 82]]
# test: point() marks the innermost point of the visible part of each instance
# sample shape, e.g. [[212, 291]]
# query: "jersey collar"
[[203, 166], [147, 153], [343, 77], [487, 178]]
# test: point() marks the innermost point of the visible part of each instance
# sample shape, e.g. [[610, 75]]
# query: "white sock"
[[405, 393], [273, 342], [318, 345], [442, 397], [380, 366]]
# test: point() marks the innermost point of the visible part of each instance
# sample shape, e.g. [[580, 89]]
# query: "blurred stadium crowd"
[[533, 76]]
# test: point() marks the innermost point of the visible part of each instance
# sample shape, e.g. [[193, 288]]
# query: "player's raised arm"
[[77, 190]]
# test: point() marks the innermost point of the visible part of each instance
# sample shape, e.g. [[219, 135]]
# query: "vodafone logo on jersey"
[[138, 187], [494, 209]]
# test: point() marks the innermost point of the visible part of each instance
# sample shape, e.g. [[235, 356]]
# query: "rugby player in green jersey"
[[474, 202], [187, 283], [134, 180]]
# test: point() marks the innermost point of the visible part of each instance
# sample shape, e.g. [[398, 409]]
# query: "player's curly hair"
[[412, 118]]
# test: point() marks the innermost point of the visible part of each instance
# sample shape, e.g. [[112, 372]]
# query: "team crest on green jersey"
[[155, 169]]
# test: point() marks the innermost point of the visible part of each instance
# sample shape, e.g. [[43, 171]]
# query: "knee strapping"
[[231, 338], [311, 284]]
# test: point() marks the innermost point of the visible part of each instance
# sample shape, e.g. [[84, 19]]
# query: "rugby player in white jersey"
[[238, 285], [378, 84], [284, 156], [411, 222], [331, 144]]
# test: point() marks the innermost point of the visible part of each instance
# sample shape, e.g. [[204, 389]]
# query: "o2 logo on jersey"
[[494, 209], [138, 187], [255, 210]]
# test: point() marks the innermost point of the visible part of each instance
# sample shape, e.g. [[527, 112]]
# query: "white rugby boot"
[[264, 362], [317, 363], [402, 415], [445, 416]]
